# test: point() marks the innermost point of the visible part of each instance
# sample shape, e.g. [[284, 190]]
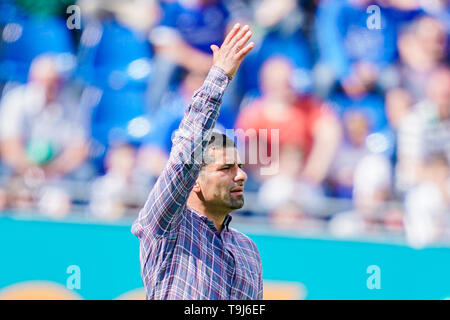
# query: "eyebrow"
[[223, 165]]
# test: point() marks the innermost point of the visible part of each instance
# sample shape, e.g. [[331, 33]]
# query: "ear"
[[197, 187]]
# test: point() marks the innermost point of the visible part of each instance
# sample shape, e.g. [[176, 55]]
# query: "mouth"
[[237, 191]]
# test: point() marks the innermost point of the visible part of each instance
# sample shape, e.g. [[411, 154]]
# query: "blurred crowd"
[[92, 91]]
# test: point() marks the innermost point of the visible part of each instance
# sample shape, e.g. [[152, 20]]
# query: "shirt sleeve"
[[166, 201]]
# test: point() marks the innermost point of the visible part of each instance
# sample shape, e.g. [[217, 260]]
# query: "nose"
[[240, 175]]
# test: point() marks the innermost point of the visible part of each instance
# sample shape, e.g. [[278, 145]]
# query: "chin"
[[237, 205]]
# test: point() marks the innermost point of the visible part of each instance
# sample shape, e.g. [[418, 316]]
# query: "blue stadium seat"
[[120, 55], [26, 38], [115, 109]]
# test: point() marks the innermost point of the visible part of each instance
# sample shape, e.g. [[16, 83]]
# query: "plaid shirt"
[[183, 256]]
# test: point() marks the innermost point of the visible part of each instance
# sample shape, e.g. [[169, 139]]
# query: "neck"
[[213, 214]]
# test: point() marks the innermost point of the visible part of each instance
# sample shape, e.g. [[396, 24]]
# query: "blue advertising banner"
[[72, 260]]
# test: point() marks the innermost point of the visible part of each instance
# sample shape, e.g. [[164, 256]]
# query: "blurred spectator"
[[353, 148], [287, 198], [398, 105], [183, 38], [137, 15], [372, 181], [439, 9], [282, 23], [425, 130], [187, 30], [372, 184], [428, 204], [42, 128], [302, 121], [140, 62], [351, 53], [422, 47], [371, 104], [120, 189], [365, 132]]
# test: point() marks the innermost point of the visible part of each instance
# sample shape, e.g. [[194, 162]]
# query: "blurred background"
[[91, 92]]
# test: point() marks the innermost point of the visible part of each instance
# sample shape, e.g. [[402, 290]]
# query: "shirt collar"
[[227, 221], [225, 224]]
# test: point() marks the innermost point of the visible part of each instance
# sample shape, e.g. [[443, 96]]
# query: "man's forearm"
[[199, 119], [168, 197], [170, 193]]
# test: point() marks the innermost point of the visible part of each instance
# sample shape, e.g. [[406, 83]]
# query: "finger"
[[214, 48], [241, 43], [239, 36], [232, 33], [241, 55]]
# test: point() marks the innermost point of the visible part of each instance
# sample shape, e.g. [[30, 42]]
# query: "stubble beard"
[[237, 203]]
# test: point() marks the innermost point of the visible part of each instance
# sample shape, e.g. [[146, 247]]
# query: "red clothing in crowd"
[[296, 127]]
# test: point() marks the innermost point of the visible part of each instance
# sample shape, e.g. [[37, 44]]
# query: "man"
[[302, 121], [42, 125], [188, 250], [43, 135], [425, 130]]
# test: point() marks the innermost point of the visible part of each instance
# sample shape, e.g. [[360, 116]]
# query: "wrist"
[[220, 69], [217, 75]]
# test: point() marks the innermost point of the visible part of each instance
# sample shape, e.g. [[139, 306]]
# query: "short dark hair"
[[217, 140]]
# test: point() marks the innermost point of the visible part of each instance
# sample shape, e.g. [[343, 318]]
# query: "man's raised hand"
[[233, 50]]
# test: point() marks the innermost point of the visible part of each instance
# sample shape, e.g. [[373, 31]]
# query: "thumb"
[[214, 48]]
